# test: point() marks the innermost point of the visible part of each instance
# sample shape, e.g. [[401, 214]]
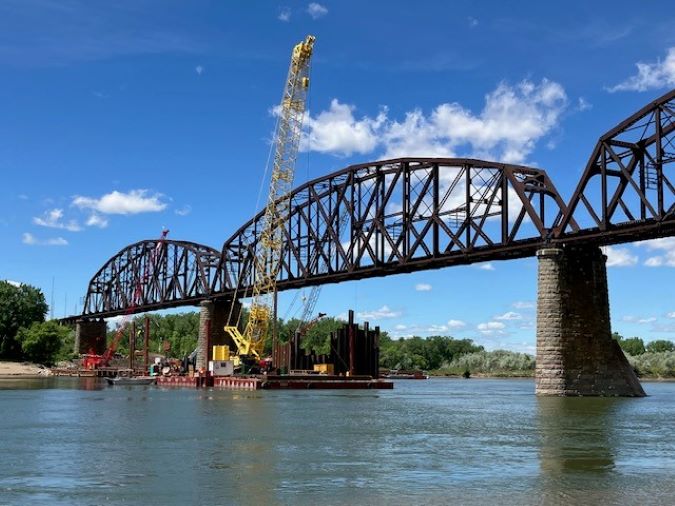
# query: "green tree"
[[20, 306], [317, 337], [420, 353], [42, 341], [633, 346], [659, 346]]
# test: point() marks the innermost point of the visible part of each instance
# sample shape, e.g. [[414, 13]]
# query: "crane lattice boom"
[[268, 255]]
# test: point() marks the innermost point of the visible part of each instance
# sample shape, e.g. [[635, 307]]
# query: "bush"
[[660, 346], [498, 362], [659, 365], [419, 353], [42, 341]]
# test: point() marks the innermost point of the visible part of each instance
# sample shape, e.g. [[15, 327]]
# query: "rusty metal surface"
[[625, 193], [176, 274], [403, 215], [409, 214]]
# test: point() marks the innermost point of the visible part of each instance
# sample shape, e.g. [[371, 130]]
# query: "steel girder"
[[153, 274], [398, 216], [627, 191], [409, 214]]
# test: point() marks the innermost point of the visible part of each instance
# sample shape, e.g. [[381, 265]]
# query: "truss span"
[[401, 215], [627, 191], [152, 274], [409, 214]]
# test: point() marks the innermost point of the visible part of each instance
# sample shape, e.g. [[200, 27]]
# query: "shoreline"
[[23, 370], [531, 376]]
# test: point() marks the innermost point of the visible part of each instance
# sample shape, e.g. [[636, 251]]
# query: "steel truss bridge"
[[410, 214]]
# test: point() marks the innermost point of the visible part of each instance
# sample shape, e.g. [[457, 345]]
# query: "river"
[[441, 441]]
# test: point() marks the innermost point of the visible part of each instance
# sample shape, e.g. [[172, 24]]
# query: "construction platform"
[[321, 381], [295, 382], [252, 382]]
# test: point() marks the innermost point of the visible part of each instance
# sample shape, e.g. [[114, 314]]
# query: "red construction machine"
[[94, 361]]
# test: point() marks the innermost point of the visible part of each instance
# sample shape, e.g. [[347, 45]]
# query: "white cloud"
[[666, 246], [512, 120], [660, 74], [523, 304], [402, 330], [316, 10], [456, 324], [53, 219], [13, 283], [133, 202], [22, 196], [284, 15], [423, 287], [379, 314], [96, 220], [509, 315], [489, 328], [336, 131], [583, 105], [639, 320], [199, 69], [487, 266], [473, 22], [31, 240], [619, 257], [654, 262], [184, 211], [671, 315], [116, 321]]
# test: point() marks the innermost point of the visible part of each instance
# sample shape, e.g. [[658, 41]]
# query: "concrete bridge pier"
[[576, 354], [90, 336], [213, 317]]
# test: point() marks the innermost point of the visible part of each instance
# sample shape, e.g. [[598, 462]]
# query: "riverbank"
[[13, 370], [524, 374]]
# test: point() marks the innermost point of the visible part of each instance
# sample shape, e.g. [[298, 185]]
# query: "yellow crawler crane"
[[270, 243]]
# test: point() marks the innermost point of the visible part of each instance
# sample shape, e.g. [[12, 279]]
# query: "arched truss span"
[[153, 274], [401, 215], [409, 214], [627, 191]]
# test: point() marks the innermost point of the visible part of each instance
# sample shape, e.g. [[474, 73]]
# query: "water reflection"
[[576, 434], [52, 382]]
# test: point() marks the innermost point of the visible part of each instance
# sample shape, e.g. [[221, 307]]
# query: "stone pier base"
[[213, 317], [576, 354], [90, 336]]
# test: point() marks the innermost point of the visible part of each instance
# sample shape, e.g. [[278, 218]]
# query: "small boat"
[[138, 380]]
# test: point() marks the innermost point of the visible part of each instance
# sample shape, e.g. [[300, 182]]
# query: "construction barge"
[[352, 363], [277, 382]]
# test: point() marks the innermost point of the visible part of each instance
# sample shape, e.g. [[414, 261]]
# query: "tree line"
[[25, 335]]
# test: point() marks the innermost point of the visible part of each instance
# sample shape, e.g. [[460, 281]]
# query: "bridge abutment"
[[90, 336], [576, 354], [213, 317]]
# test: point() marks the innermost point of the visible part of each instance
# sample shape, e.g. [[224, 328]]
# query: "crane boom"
[[267, 260]]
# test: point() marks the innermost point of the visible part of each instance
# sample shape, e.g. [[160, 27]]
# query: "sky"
[[119, 119]]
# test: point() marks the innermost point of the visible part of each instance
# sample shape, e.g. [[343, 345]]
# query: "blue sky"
[[118, 120]]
